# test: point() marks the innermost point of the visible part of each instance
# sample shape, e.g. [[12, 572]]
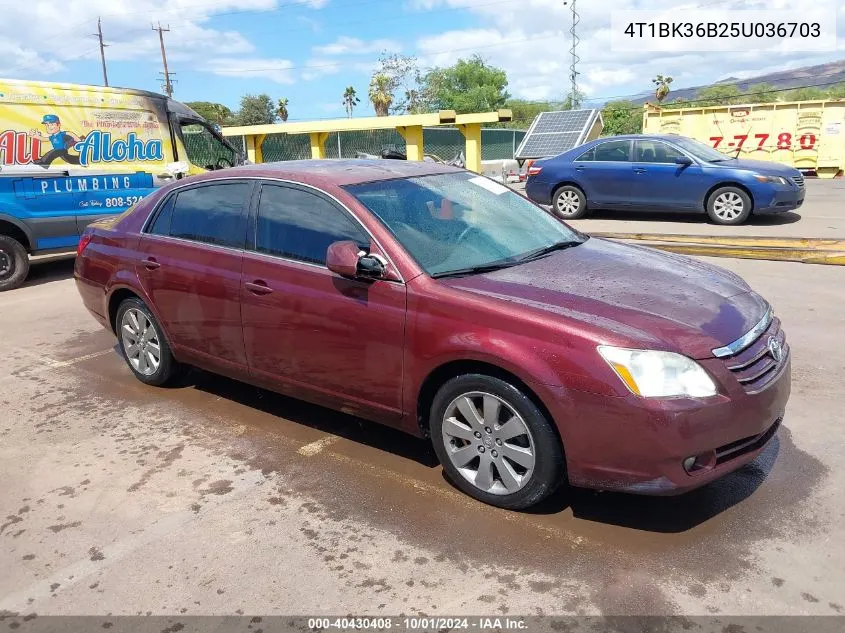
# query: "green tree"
[[574, 100], [256, 110], [761, 93], [720, 94], [621, 117], [282, 109], [381, 93], [805, 94], [524, 112], [350, 100], [210, 111], [662, 87], [836, 92], [471, 85]]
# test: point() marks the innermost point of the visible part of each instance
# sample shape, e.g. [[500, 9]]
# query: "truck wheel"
[[14, 263], [729, 206]]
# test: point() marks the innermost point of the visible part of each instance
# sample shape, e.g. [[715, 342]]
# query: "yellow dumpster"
[[808, 135]]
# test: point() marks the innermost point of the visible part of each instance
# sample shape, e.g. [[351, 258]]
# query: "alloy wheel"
[[728, 206], [488, 442], [7, 265], [568, 202], [141, 342]]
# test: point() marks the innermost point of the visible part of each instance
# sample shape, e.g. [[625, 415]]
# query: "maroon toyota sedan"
[[441, 303]]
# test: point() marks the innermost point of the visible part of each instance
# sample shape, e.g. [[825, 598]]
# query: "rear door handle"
[[640, 170], [258, 287], [151, 264]]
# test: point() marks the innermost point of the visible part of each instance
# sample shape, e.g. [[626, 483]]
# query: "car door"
[[604, 172], [190, 267], [660, 182], [307, 331]]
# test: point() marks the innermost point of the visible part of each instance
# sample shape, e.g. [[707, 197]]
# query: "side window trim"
[[173, 195]]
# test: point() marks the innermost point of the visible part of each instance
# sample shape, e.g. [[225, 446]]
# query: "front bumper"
[[779, 200], [639, 445]]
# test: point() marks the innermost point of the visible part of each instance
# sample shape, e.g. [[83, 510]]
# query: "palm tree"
[[350, 100], [381, 93], [662, 84], [221, 113], [282, 109]]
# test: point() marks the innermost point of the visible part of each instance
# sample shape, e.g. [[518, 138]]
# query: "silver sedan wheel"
[[728, 206], [141, 342], [488, 442], [568, 202]]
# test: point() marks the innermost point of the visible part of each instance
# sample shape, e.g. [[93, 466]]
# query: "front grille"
[[756, 367], [798, 180], [746, 444]]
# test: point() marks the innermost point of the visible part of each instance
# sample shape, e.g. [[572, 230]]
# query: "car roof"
[[338, 172]]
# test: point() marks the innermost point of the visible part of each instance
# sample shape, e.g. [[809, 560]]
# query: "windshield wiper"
[[472, 270], [547, 250]]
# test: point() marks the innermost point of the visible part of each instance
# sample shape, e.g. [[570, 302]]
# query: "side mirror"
[[347, 260], [683, 160]]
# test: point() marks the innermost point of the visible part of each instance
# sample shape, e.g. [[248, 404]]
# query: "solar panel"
[[553, 133]]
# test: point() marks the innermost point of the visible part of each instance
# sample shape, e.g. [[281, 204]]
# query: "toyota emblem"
[[775, 349]]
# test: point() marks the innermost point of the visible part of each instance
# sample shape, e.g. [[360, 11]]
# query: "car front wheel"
[[729, 206], [494, 443], [569, 203]]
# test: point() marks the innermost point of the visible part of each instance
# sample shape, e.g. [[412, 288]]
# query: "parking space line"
[[313, 448], [46, 363]]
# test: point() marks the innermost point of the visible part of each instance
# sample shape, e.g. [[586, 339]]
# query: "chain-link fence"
[[442, 142]]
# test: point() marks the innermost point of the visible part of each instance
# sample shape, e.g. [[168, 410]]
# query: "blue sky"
[[310, 50]]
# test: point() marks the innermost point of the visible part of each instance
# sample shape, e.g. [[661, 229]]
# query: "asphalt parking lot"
[[219, 498]]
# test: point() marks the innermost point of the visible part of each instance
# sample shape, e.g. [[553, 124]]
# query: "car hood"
[[645, 297], [763, 167]]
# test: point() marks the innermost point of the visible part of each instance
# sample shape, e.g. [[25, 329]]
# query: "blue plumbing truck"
[[73, 154]]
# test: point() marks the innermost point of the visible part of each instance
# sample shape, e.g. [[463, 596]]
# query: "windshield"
[[699, 149], [459, 221]]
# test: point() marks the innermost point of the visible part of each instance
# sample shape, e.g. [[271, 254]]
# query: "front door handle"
[[151, 264], [258, 287]]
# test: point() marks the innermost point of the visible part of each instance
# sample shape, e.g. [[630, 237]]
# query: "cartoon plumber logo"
[[60, 140]]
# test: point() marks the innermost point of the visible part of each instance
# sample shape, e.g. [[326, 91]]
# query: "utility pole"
[[99, 34], [573, 67], [168, 85]]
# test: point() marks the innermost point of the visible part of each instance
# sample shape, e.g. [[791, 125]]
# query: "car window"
[[301, 225], [161, 223], [212, 214], [204, 148], [655, 152], [454, 221], [615, 151], [588, 155]]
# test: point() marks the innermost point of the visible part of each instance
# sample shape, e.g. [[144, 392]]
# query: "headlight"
[[778, 180], [654, 374]]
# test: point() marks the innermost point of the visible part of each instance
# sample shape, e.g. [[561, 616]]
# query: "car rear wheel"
[[729, 206], [494, 443], [143, 345], [569, 203], [14, 263]]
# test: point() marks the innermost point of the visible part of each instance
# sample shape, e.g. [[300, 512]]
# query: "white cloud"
[[38, 38], [530, 39], [278, 70], [345, 45], [317, 67]]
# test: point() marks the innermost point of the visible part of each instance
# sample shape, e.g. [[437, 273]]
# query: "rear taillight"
[[533, 171], [83, 242]]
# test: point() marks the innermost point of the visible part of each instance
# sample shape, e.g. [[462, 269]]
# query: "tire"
[[14, 263], [729, 206], [569, 203], [510, 484], [133, 323]]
